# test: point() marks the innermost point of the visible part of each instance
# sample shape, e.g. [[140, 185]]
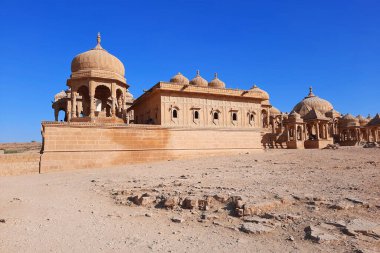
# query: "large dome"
[[312, 102], [97, 62]]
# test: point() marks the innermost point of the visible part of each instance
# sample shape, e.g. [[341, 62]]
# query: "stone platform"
[[69, 146]]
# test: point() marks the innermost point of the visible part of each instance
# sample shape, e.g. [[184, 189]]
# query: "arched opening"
[[299, 133], [62, 115], [196, 115], [103, 101], [84, 108], [175, 114], [264, 118], [216, 116], [234, 116]]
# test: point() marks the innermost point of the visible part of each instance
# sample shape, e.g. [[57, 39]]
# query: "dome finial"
[[311, 92], [98, 39], [216, 75], [198, 73]]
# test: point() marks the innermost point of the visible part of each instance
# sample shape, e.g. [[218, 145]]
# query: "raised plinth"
[[91, 145]]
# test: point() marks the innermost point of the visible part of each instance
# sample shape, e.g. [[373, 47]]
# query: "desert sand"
[[274, 201]]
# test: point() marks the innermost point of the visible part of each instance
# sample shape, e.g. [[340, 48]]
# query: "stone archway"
[[103, 101]]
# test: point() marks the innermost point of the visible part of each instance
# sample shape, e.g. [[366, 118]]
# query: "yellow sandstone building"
[[105, 126]]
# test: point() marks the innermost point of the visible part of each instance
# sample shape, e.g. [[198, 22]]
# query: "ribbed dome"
[[199, 81], [259, 93], [179, 79], [100, 61], [313, 102], [274, 111], [216, 82]]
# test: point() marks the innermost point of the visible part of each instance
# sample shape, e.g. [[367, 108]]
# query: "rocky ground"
[[275, 201]]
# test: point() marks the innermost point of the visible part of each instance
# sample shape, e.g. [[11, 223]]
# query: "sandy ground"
[[337, 192]]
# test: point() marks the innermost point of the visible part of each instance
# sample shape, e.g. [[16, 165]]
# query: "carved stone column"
[[68, 110], [91, 90], [73, 104]]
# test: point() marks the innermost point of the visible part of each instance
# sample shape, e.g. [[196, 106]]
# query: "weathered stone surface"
[[318, 235], [364, 227], [170, 202], [255, 228]]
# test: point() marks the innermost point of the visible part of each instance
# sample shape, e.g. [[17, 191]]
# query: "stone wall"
[[19, 164], [76, 146]]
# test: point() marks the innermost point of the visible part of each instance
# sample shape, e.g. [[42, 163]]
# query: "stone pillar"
[[113, 108], [113, 99], [56, 114], [73, 104], [91, 90], [68, 110], [317, 130], [287, 132]]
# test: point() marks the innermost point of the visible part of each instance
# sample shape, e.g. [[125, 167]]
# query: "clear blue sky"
[[282, 46]]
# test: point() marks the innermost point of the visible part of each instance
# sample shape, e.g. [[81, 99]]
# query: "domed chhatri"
[[199, 81], [312, 102], [259, 93], [362, 121], [179, 79], [216, 82], [97, 62]]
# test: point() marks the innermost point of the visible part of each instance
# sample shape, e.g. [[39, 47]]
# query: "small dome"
[[98, 59], [274, 111], [216, 82], [179, 79], [362, 121], [350, 117], [313, 102], [199, 81], [259, 93], [294, 115]]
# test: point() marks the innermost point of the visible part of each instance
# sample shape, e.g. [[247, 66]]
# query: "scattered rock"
[[190, 203], [2, 220], [318, 235], [290, 238], [364, 227], [170, 202], [255, 228], [177, 220], [342, 205], [357, 201], [221, 198], [148, 215]]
